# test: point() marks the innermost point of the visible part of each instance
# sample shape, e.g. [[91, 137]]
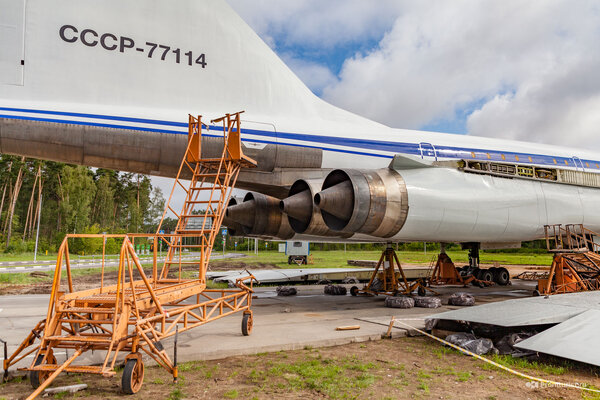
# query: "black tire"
[[247, 322], [354, 290], [476, 273], [305, 261], [421, 291], [501, 276], [290, 260], [36, 378], [486, 275], [536, 293], [133, 376]]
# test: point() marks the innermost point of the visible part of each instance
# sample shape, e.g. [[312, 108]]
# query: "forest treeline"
[[74, 199]]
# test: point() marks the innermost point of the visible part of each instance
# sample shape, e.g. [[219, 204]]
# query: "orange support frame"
[[137, 312], [391, 282]]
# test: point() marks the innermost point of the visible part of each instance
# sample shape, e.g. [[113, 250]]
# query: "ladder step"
[[88, 310], [212, 187], [209, 174], [84, 369], [183, 262], [80, 338]]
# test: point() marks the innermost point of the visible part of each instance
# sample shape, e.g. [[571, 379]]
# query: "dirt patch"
[[240, 265], [388, 369]]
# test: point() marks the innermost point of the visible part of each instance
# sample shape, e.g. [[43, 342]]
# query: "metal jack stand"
[[388, 281]]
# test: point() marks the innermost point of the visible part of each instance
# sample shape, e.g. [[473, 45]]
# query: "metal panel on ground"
[[574, 339], [529, 311]]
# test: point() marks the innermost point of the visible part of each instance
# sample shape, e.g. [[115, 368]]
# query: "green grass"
[[524, 364], [339, 258], [332, 378], [232, 394], [176, 394], [322, 259]]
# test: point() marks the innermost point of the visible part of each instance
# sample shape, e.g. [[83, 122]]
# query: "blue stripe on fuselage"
[[282, 137]]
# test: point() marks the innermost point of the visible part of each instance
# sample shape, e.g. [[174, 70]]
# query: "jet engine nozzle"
[[374, 202], [259, 215], [304, 217], [337, 200]]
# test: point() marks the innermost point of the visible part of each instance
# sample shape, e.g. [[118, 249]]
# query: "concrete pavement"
[[280, 323]]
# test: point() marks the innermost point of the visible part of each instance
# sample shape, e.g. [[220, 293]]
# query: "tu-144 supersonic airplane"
[[110, 84]]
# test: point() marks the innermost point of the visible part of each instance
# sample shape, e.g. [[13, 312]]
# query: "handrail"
[[570, 237]]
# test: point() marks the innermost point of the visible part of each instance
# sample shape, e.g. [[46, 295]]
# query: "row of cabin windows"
[[587, 164]]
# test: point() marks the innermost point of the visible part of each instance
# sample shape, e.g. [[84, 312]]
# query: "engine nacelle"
[[259, 215], [373, 202], [302, 214]]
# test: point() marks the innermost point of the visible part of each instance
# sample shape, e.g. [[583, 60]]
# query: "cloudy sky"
[[527, 70]]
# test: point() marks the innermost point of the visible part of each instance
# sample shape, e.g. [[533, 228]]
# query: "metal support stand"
[[386, 280]]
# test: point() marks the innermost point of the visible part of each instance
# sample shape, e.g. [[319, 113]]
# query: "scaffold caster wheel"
[[247, 324], [133, 375], [36, 378], [421, 291], [536, 292], [354, 290]]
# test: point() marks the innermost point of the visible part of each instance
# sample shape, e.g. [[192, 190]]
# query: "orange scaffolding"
[[135, 314]]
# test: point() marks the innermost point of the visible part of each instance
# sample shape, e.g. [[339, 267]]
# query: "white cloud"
[[314, 75], [319, 23], [531, 68]]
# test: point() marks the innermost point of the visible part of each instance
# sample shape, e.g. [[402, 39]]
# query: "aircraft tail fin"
[[188, 55]]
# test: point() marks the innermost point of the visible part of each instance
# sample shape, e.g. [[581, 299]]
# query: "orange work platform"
[[134, 315]]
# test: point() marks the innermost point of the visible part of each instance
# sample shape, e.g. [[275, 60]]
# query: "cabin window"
[[473, 154], [555, 162], [488, 156], [517, 158], [587, 164], [566, 162], [503, 157], [530, 159]]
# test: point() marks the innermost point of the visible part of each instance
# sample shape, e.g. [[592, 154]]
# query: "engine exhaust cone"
[[242, 213], [298, 206], [337, 200]]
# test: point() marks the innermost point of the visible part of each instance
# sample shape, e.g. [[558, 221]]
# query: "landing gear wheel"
[[421, 291], [501, 276], [354, 290], [536, 292], [247, 322], [36, 378], [133, 376], [486, 275]]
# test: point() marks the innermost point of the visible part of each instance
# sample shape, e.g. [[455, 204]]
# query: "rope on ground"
[[512, 371]]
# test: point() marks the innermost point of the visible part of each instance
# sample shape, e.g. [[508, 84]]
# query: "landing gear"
[[446, 273], [133, 374]]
